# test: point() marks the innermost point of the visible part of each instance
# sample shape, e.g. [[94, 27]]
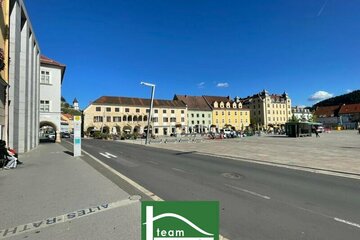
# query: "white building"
[[302, 114], [51, 77], [24, 71]]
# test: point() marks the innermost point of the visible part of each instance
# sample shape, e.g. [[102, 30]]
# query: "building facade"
[[267, 111], [51, 77], [328, 116], [199, 114], [227, 114], [4, 66], [24, 77], [123, 115], [302, 114], [349, 116]]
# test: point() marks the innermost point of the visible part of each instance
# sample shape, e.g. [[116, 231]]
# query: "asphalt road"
[[257, 201]]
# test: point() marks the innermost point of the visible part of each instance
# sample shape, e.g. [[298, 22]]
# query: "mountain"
[[349, 98]]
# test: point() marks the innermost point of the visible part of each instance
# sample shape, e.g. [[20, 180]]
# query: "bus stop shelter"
[[300, 129]]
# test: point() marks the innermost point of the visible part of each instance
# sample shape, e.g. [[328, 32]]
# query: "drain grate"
[[232, 175]]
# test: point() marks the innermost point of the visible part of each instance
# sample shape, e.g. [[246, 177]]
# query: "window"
[[209, 122], [198, 122], [209, 115], [182, 119], [165, 119], [268, 111], [138, 110], [240, 113], [223, 121], [217, 121], [172, 119], [182, 111], [235, 113], [164, 111], [98, 118], [172, 111], [269, 118], [156, 130], [229, 113], [203, 121], [203, 115], [223, 113], [108, 119], [127, 110], [259, 112], [124, 118], [44, 106], [155, 119], [156, 111], [45, 77], [216, 113], [116, 119], [197, 115], [108, 109], [147, 110], [192, 122], [192, 115], [117, 109], [145, 118], [98, 109]]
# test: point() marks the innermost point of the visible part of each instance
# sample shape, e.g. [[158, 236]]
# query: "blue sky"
[[201, 47]]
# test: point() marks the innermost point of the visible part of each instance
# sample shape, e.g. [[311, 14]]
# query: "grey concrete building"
[[24, 72]]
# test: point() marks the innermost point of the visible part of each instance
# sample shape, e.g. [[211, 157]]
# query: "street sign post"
[[77, 136]]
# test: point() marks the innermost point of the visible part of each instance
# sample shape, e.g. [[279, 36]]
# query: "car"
[[320, 129], [65, 135]]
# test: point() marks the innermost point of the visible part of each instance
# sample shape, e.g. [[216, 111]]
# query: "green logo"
[[180, 220]]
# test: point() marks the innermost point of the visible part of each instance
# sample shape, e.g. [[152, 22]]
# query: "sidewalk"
[[56, 196]]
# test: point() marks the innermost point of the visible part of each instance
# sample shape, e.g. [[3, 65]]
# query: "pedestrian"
[[317, 133]]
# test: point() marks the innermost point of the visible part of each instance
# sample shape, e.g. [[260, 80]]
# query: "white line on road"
[[152, 162], [347, 222], [247, 191], [179, 170], [111, 155], [105, 155]]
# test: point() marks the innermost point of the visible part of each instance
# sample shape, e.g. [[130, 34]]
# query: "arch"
[[239, 105], [140, 118], [127, 129], [129, 118], [124, 118], [145, 118], [234, 105], [48, 132], [216, 104], [89, 129], [105, 129], [135, 119], [137, 129], [221, 104]]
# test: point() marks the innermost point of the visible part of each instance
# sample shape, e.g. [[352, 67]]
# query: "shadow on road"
[[183, 153]]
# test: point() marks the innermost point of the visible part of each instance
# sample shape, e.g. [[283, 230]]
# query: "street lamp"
[[151, 107]]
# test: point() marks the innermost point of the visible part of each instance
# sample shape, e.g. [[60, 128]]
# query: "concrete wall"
[[23, 80]]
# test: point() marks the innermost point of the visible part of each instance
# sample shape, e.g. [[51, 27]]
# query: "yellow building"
[[118, 115], [269, 110], [4, 64], [228, 114]]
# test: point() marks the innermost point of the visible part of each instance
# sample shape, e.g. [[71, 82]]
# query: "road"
[[257, 201]]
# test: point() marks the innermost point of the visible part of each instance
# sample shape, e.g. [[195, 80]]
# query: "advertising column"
[[77, 136]]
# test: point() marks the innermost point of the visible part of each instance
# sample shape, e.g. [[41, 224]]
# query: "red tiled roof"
[[211, 99], [328, 111], [350, 108], [67, 115], [194, 102], [141, 102], [46, 60]]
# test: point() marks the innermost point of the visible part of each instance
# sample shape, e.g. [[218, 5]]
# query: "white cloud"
[[201, 85], [222, 85], [320, 95], [349, 91]]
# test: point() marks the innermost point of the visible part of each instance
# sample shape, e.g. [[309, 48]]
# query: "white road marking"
[[111, 155], [178, 170], [347, 222], [247, 191], [105, 155], [10, 232]]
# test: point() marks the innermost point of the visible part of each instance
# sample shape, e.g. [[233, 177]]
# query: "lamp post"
[[151, 107]]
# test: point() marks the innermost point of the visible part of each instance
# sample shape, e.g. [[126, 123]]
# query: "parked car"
[[320, 129], [65, 135]]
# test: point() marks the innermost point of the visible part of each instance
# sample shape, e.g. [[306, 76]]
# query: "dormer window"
[[234, 105], [227, 105], [221, 105], [216, 105], [239, 105]]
